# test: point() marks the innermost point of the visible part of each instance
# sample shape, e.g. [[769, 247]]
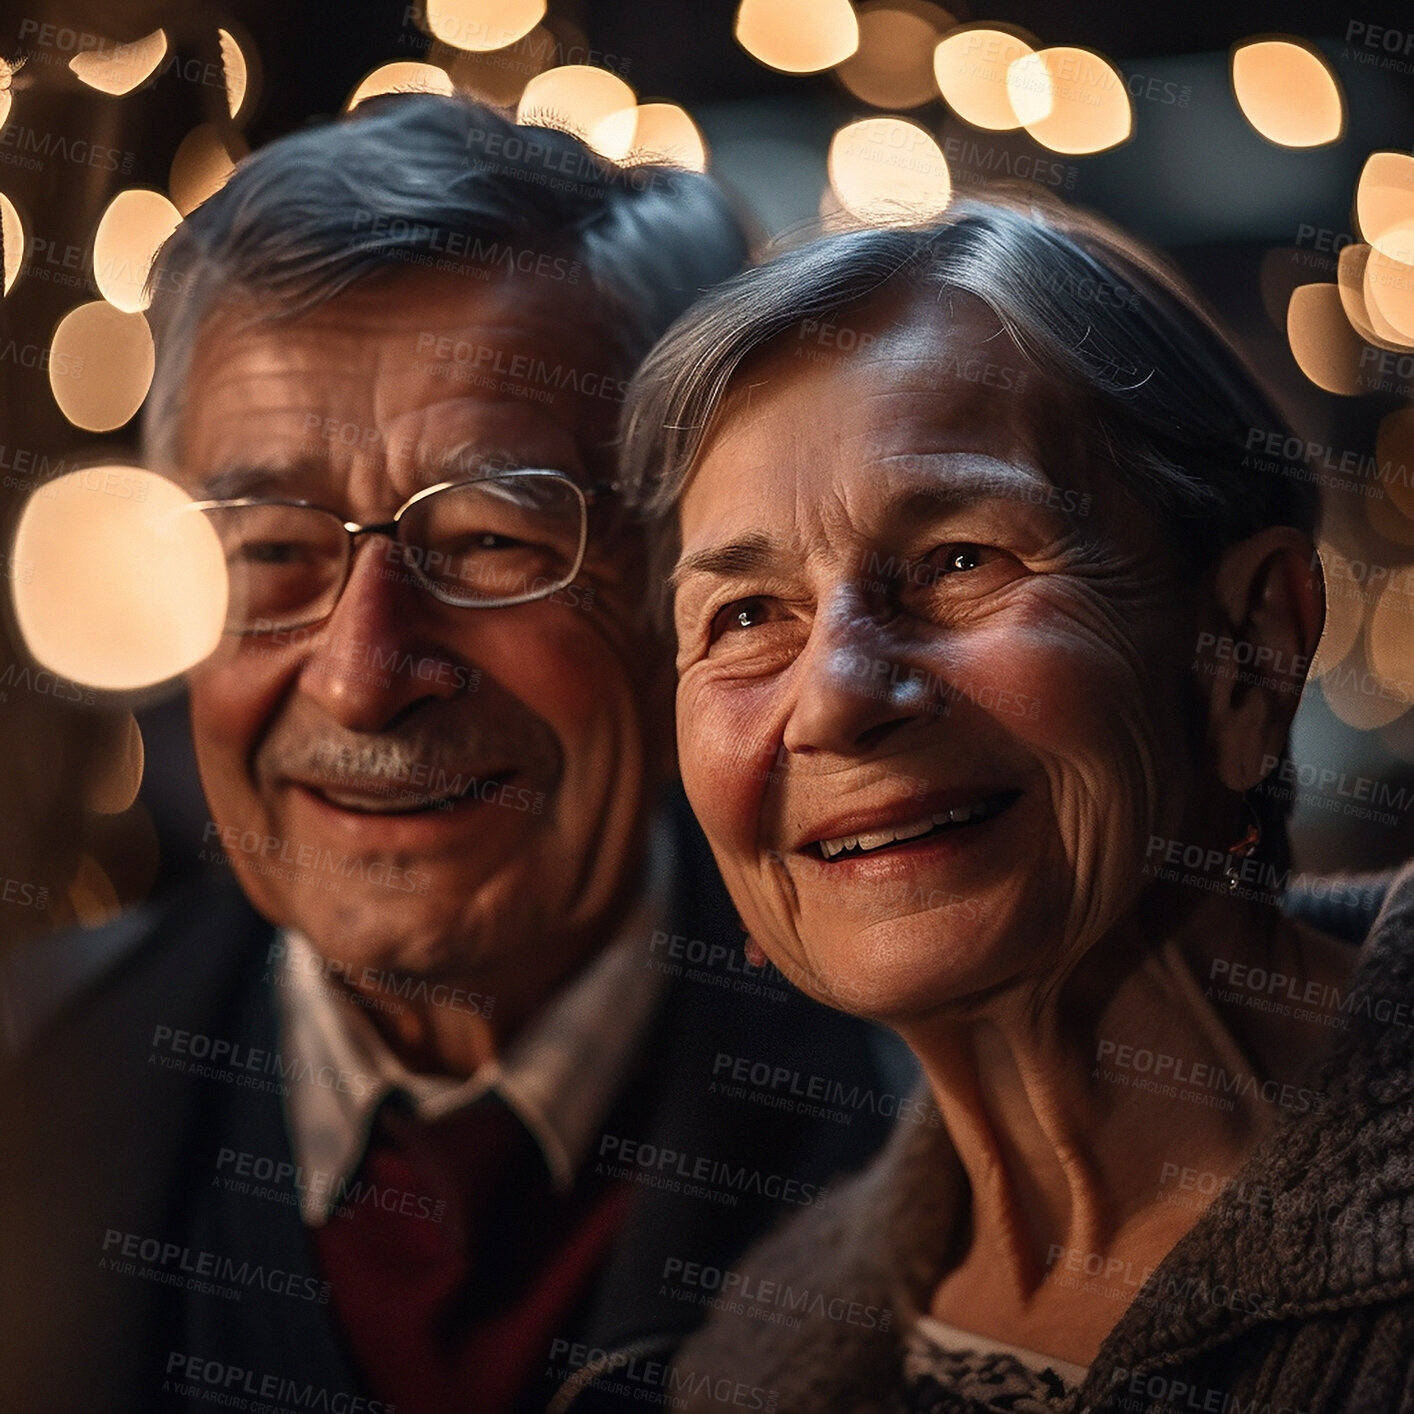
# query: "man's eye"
[[738, 615]]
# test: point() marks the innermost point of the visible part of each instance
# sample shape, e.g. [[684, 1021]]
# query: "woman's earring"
[[755, 956], [1244, 849]]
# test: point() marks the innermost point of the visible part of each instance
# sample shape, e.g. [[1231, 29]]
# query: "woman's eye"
[[952, 559], [739, 615]]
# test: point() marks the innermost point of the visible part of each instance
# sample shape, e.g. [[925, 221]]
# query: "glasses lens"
[[286, 564], [509, 537]]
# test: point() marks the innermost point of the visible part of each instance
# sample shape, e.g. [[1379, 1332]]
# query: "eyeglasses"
[[487, 543]]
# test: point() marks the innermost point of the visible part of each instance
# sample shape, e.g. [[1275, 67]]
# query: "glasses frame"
[[586, 496]]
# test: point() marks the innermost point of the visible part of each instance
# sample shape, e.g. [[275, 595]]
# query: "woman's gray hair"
[[411, 181], [1170, 405], [1174, 406]]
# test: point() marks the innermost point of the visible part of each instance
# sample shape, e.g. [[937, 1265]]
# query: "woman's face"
[[935, 667]]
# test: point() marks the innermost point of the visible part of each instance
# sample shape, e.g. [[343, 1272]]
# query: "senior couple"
[[500, 1137]]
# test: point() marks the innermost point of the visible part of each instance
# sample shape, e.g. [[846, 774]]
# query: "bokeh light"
[[1350, 277], [666, 133], [1389, 285], [100, 365], [128, 583], [1384, 196], [797, 36], [482, 25], [970, 67], [1344, 618], [119, 68], [201, 166], [1361, 697], [236, 69], [401, 76], [1390, 633], [1070, 100], [893, 66], [500, 77], [596, 106], [888, 171], [1325, 347], [1287, 93], [130, 231], [1394, 452], [113, 787], [12, 233]]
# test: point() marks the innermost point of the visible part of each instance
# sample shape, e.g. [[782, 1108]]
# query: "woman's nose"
[[857, 681]]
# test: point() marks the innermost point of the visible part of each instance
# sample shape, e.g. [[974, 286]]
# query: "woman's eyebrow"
[[742, 556]]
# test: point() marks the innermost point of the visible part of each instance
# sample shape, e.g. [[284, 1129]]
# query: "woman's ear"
[[1253, 659]]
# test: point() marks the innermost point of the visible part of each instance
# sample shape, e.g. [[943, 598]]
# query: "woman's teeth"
[[877, 839]]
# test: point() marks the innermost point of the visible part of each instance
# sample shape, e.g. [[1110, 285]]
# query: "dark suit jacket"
[[122, 1246]]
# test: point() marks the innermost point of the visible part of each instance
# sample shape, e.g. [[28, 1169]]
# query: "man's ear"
[[1270, 609]]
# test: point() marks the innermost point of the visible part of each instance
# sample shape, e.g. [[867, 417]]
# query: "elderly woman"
[[990, 631]]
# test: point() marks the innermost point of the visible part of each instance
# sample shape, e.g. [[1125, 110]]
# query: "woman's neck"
[[1080, 1114]]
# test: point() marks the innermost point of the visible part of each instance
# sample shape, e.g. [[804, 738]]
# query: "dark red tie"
[[453, 1261]]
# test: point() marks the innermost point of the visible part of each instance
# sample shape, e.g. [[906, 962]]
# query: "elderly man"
[[467, 1095]]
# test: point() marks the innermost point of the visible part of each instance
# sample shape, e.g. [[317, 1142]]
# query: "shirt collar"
[[560, 1075]]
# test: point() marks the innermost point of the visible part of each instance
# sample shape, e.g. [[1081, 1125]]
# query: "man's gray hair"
[[1169, 402], [418, 181]]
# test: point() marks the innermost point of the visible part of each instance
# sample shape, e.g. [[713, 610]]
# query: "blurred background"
[[1265, 148]]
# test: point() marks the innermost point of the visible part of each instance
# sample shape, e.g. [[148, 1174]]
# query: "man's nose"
[[377, 654], [859, 679]]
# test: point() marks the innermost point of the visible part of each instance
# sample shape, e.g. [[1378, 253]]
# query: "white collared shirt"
[[560, 1075]]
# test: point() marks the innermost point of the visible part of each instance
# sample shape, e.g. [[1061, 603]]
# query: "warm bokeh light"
[[1350, 276], [100, 365], [970, 67], [114, 784], [596, 106], [666, 133], [893, 66], [1361, 697], [1394, 452], [1287, 92], [1389, 520], [201, 166], [1389, 285], [482, 25], [401, 76], [12, 233], [1325, 347], [1384, 197], [129, 233], [888, 171], [500, 77], [127, 585], [1390, 633], [237, 70], [1070, 100], [797, 36], [1344, 616], [120, 68]]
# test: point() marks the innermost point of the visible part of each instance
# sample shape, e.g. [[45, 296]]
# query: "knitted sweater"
[[1292, 1294]]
